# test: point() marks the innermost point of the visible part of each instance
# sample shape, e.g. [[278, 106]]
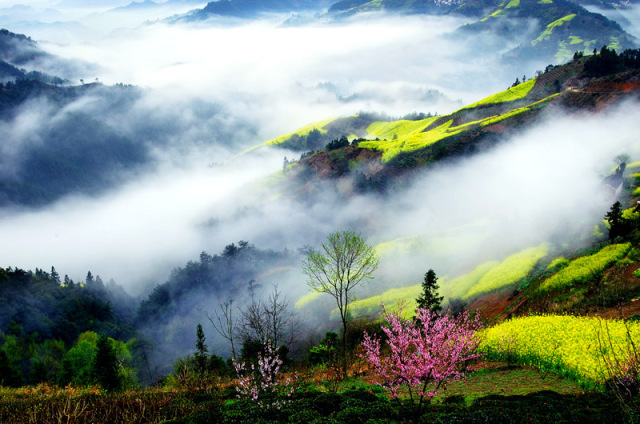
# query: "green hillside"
[[563, 27]]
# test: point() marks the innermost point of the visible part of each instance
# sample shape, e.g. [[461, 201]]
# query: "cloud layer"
[[266, 80]]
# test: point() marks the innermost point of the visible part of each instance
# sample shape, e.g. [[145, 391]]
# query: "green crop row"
[[509, 271], [585, 268]]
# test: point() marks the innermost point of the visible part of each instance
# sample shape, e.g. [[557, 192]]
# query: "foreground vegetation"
[[493, 393]]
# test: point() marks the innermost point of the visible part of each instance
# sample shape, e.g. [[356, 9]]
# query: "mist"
[[256, 80]]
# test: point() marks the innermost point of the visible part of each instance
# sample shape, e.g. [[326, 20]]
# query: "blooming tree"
[[263, 384], [423, 354]]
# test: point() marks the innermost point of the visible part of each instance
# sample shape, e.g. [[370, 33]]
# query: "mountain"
[[253, 8], [552, 29], [21, 57], [561, 28], [386, 150]]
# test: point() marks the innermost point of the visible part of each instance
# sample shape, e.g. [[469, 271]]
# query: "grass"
[[567, 345], [546, 34], [509, 271], [307, 299], [412, 142], [302, 131], [514, 93], [564, 53], [561, 261], [585, 268], [495, 14], [404, 128], [574, 39], [459, 286], [392, 298], [498, 379]]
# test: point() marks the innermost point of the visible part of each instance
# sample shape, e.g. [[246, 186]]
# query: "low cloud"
[[222, 88]]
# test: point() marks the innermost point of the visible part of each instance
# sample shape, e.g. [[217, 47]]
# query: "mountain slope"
[[562, 27], [253, 8], [555, 29]]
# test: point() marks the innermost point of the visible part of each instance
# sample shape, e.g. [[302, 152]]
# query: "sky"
[[274, 79]]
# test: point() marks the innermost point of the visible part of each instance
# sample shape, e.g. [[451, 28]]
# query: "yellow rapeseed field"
[[568, 345]]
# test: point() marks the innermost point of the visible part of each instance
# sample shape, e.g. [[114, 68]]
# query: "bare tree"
[[344, 262], [271, 319], [224, 324]]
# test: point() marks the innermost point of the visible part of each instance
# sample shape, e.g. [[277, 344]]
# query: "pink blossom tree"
[[264, 384], [423, 354]]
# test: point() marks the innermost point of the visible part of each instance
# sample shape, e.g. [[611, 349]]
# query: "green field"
[[585, 268], [546, 34], [509, 271]]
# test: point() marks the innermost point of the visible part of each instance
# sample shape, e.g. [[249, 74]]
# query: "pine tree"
[[615, 220], [429, 298], [105, 366], [201, 351]]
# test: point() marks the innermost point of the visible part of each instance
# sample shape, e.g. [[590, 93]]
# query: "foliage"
[[345, 262], [604, 63], [622, 372], [424, 353], [585, 268], [325, 351], [429, 298], [615, 220], [567, 345], [337, 143], [201, 355], [105, 365]]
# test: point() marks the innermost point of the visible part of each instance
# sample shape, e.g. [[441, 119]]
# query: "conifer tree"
[[615, 220], [201, 350], [429, 298], [105, 366]]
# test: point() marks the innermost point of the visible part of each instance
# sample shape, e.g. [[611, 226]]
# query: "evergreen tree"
[[429, 298], [10, 374], [55, 277], [201, 351], [615, 220], [105, 366]]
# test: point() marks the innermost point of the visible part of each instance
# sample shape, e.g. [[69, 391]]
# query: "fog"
[[266, 80], [628, 17]]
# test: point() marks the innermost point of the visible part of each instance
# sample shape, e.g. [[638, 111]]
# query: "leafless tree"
[[224, 323], [270, 319]]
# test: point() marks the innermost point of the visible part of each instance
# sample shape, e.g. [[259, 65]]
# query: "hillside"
[[254, 8], [562, 28], [383, 156], [551, 30], [382, 152]]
